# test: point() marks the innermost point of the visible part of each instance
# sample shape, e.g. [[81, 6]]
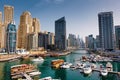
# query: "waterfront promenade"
[[7, 57]]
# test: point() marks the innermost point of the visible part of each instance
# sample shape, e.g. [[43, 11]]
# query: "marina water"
[[63, 74]]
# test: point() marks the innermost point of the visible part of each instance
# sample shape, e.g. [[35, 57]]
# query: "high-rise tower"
[[8, 14], [60, 34], [105, 20], [24, 28], [36, 25]]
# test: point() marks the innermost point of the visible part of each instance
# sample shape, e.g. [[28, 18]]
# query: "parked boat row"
[[86, 68], [94, 58]]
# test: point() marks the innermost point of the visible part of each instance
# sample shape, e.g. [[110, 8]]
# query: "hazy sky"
[[81, 15]]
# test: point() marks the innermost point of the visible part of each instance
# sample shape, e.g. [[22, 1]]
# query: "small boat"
[[66, 65], [87, 69], [93, 66], [94, 60], [81, 65], [39, 59], [22, 52], [104, 72], [57, 63], [35, 73], [109, 66], [48, 78]]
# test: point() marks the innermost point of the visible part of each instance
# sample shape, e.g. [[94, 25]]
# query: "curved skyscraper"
[[11, 38]]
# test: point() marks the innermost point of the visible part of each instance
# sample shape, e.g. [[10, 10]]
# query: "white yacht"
[[39, 59], [22, 52], [104, 72], [81, 65], [66, 65], [109, 66], [48, 78], [93, 66], [87, 69]]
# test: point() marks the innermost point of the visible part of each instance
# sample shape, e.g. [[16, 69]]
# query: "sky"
[[81, 15]]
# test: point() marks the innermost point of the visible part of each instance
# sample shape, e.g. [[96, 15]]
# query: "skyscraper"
[[97, 41], [2, 36], [28, 27], [8, 14], [43, 40], [117, 33], [2, 33], [32, 42], [105, 20], [72, 40], [60, 34], [24, 28], [11, 37], [90, 42], [0, 18], [36, 25]]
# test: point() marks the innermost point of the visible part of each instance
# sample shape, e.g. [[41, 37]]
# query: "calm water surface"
[[64, 74]]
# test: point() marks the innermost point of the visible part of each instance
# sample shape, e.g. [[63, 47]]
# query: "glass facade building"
[[117, 33], [60, 34], [11, 38], [105, 20]]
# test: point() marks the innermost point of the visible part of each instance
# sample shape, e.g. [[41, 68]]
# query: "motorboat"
[[48, 78], [87, 69], [104, 72], [81, 65], [39, 59], [66, 65], [93, 66], [22, 52], [109, 66], [35, 73]]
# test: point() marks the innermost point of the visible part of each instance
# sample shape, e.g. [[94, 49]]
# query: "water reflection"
[[60, 73]]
